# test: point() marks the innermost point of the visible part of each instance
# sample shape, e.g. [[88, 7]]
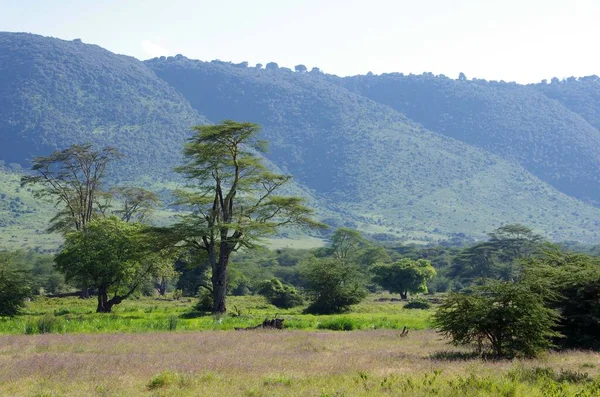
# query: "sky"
[[511, 40]]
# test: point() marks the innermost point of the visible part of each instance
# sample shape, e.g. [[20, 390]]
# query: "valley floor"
[[278, 363]]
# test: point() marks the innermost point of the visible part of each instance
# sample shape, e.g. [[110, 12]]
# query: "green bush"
[[333, 285], [205, 301], [14, 286], [417, 303], [508, 317], [281, 295], [164, 379]]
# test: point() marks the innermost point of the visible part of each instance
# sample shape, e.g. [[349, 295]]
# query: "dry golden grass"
[[263, 363]]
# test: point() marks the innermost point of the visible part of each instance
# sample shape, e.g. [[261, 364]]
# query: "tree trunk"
[[103, 306], [404, 295], [219, 282], [161, 286]]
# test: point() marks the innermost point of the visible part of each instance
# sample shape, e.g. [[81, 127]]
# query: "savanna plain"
[[60, 347]]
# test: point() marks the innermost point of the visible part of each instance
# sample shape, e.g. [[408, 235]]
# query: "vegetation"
[[113, 257], [571, 282], [258, 363], [331, 134], [508, 317], [279, 294], [235, 201], [14, 286], [333, 285], [334, 140], [404, 276]]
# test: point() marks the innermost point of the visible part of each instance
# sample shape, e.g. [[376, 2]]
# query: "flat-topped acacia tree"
[[232, 200]]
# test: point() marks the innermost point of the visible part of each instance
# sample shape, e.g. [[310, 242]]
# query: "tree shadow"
[[459, 356]]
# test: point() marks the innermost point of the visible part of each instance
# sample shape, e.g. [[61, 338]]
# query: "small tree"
[[509, 317], [113, 257], [281, 295], [234, 202], [404, 276], [333, 285], [14, 286]]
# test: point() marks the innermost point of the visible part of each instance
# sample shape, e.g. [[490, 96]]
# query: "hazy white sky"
[[512, 40]]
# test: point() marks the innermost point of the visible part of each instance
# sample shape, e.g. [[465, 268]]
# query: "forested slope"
[[55, 93], [372, 161], [515, 122], [417, 158]]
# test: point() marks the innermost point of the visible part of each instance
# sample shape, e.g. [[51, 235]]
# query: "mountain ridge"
[[361, 162]]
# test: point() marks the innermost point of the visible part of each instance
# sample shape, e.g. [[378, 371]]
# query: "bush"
[[205, 301], [417, 303], [333, 285], [281, 295], [509, 317], [14, 286]]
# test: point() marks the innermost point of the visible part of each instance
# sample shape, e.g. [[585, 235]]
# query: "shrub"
[[333, 285], [205, 301], [164, 379], [281, 295], [172, 322], [417, 303], [509, 317], [14, 286]]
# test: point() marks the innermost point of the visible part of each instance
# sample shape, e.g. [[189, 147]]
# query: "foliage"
[[404, 276], [234, 203], [499, 257], [279, 294], [14, 286], [112, 256], [73, 178], [332, 284], [417, 303], [572, 283], [67, 92], [509, 317]]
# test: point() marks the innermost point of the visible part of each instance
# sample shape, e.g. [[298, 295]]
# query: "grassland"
[[151, 347], [278, 363], [72, 315]]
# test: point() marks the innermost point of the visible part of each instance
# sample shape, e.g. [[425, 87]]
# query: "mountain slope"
[[57, 92], [371, 161], [512, 121], [581, 96]]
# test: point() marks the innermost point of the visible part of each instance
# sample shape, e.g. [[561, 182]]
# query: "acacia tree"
[[113, 257], [404, 276], [511, 318], [73, 177], [233, 202]]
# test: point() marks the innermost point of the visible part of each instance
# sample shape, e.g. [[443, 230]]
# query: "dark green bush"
[[205, 301], [417, 303], [281, 295]]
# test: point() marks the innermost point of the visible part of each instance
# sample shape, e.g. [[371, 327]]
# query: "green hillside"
[[407, 175], [387, 172], [580, 95], [513, 121], [57, 92]]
